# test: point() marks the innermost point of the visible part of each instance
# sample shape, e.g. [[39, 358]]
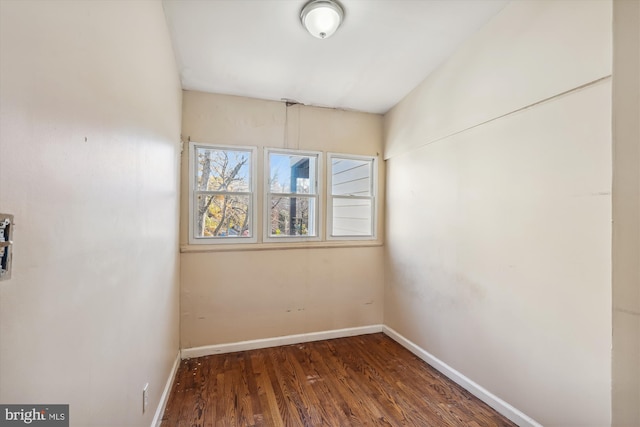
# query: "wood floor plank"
[[384, 396], [266, 395], [301, 371], [286, 398], [356, 394], [369, 380], [320, 377], [382, 373]]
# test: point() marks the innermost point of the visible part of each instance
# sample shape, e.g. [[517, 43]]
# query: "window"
[[351, 197], [222, 205], [223, 195], [291, 187]]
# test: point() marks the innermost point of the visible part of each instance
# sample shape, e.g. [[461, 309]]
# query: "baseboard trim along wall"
[[477, 390], [208, 350], [164, 398]]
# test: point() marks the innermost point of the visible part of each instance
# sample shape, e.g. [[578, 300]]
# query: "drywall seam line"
[[542, 101]]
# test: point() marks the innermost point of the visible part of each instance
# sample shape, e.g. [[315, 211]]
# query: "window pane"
[[351, 217], [292, 216], [350, 177], [290, 173], [223, 170], [223, 216]]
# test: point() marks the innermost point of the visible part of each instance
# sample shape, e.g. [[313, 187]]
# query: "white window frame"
[[373, 197], [267, 193], [253, 196]]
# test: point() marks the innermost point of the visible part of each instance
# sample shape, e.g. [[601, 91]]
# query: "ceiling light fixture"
[[322, 17]]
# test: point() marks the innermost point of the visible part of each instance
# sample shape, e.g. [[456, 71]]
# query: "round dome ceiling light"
[[322, 17]]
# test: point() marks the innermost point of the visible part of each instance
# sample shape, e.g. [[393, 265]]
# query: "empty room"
[[320, 212]]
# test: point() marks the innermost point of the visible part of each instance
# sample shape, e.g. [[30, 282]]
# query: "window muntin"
[[292, 203], [351, 199], [222, 195]]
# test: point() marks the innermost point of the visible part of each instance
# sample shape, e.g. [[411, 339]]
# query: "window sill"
[[279, 246]]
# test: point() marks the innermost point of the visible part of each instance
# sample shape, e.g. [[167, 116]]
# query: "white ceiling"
[[258, 48]]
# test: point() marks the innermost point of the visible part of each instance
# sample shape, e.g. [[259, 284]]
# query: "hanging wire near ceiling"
[[285, 128], [285, 137]]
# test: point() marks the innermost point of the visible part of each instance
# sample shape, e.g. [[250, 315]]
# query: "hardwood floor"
[[363, 380]]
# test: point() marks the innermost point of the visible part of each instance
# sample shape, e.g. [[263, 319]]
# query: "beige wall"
[[529, 39], [626, 213], [498, 244], [236, 293], [89, 150]]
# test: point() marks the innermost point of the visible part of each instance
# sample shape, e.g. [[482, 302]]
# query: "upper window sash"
[[292, 188], [222, 206], [352, 185]]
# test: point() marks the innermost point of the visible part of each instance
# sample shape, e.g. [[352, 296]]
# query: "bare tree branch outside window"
[[223, 192]]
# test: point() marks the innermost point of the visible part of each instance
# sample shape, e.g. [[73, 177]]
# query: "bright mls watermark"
[[34, 415]]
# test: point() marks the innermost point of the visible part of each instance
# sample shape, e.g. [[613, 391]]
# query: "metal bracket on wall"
[[6, 244]]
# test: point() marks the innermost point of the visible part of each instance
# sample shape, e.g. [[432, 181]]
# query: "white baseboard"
[[477, 390], [480, 392], [208, 350], [157, 418]]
